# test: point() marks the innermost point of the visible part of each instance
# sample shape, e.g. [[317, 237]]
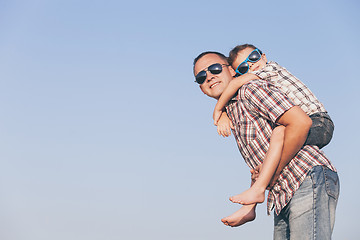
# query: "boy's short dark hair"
[[208, 52], [234, 52]]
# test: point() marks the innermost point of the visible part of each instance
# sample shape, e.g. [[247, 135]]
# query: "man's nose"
[[209, 76]]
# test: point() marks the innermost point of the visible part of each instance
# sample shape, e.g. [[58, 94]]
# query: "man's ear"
[[232, 71]]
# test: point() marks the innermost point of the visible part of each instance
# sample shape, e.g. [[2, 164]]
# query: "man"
[[305, 194]]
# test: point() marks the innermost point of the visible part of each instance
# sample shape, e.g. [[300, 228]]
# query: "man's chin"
[[218, 91], [216, 95]]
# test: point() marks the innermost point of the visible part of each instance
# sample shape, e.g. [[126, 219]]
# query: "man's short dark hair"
[[234, 52], [222, 56]]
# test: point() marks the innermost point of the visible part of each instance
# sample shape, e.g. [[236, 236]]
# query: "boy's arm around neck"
[[230, 91]]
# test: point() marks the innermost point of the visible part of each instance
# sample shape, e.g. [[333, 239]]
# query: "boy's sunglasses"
[[253, 57], [214, 69]]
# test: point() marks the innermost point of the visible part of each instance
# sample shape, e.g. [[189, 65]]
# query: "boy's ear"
[[264, 57]]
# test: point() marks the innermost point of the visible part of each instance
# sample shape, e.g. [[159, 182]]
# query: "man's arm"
[[270, 103], [297, 124]]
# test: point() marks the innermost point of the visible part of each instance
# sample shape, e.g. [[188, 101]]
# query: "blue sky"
[[105, 135]]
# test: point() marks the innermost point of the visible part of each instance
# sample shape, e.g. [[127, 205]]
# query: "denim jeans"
[[310, 214], [321, 130]]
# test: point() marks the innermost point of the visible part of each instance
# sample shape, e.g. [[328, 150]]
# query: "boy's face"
[[215, 84], [242, 55]]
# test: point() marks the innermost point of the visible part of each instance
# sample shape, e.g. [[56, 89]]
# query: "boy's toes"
[[234, 200], [225, 222]]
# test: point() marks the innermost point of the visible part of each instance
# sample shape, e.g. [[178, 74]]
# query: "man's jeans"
[[310, 214]]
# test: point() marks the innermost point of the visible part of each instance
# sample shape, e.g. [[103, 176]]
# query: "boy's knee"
[[278, 134], [279, 131]]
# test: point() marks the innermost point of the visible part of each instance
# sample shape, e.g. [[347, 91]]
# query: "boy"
[[250, 63]]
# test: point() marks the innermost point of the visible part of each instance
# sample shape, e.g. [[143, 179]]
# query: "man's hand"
[[273, 181], [255, 173]]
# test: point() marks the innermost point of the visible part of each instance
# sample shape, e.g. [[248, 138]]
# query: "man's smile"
[[214, 84]]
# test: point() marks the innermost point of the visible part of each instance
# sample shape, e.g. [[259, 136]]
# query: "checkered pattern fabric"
[[293, 88], [254, 112]]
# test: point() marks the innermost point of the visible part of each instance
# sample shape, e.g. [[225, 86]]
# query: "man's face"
[[215, 84], [242, 55]]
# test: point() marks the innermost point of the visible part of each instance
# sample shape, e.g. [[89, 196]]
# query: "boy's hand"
[[224, 125], [216, 116]]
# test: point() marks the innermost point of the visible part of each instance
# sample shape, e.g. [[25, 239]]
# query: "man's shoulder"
[[259, 90], [253, 85], [247, 91]]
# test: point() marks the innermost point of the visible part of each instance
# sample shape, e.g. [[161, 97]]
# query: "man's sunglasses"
[[253, 57], [214, 69]]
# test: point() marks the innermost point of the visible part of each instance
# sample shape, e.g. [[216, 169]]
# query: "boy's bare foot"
[[250, 196], [243, 215]]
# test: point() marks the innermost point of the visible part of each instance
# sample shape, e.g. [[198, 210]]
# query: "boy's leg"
[[311, 211], [245, 214], [321, 130], [256, 193]]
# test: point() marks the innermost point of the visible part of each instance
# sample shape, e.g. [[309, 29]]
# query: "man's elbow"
[[308, 122], [296, 118], [305, 124]]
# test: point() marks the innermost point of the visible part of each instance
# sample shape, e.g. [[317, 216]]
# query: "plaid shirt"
[[293, 88], [254, 112]]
